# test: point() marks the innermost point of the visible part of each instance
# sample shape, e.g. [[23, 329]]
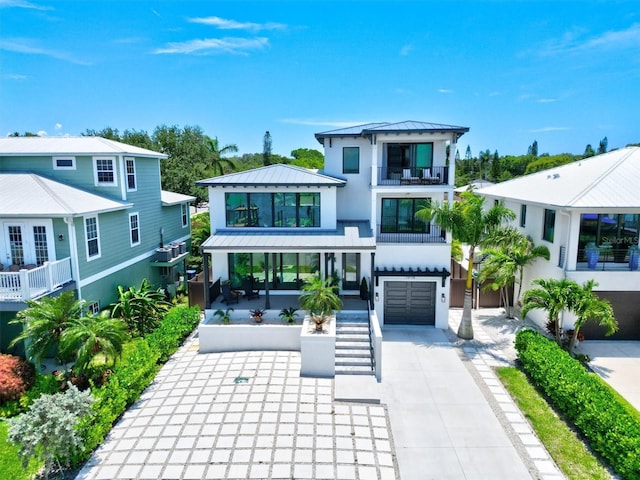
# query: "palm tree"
[[216, 159], [471, 224], [588, 306], [553, 296], [320, 299], [44, 321], [506, 263], [141, 308], [91, 337]]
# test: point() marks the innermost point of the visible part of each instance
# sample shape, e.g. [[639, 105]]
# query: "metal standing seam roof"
[[347, 236], [30, 195], [407, 126], [53, 146], [172, 198], [274, 175], [609, 180]]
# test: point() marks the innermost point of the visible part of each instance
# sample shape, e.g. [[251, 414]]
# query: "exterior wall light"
[[443, 298], [60, 237], [377, 297]]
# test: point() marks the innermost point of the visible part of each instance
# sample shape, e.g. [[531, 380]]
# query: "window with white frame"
[[93, 308], [92, 235], [104, 172], [185, 215], [64, 163], [134, 228], [130, 165]]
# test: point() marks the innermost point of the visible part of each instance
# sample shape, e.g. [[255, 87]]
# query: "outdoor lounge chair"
[[229, 296], [249, 289]]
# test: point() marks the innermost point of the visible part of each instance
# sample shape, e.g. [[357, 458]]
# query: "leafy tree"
[[533, 149], [588, 151], [307, 158], [44, 321], [603, 145], [471, 224], [91, 338], [266, 149], [217, 162], [552, 296], [141, 308], [549, 161], [588, 306], [47, 431]]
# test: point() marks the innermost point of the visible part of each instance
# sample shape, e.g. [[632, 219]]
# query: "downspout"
[[566, 254], [123, 187], [73, 253]]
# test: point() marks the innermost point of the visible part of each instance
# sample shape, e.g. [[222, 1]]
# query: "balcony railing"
[[435, 235], [413, 176], [27, 284], [607, 259]]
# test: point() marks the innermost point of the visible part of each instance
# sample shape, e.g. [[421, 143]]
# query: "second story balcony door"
[[26, 244]]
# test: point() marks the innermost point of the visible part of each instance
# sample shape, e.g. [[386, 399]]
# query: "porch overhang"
[[443, 273]]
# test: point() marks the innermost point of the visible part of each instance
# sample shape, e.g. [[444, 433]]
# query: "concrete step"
[[342, 344], [354, 370], [346, 330], [353, 337], [353, 352], [354, 362]]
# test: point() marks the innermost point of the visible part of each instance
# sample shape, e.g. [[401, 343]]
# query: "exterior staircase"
[[353, 344]]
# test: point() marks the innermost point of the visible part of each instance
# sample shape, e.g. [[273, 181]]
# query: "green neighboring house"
[[84, 214]]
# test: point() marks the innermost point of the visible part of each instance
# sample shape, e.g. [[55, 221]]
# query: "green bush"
[[176, 325], [610, 428]]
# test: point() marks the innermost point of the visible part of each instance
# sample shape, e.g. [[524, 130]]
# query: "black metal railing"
[[434, 235], [413, 176], [607, 258]]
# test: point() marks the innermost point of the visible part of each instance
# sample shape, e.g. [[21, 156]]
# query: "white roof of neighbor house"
[[274, 175], [30, 146], [474, 185], [347, 236], [609, 180], [173, 198], [30, 195]]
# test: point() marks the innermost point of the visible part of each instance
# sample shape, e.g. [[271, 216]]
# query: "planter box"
[[246, 335], [318, 350]]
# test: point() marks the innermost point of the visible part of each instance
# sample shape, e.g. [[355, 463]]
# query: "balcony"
[[607, 259], [413, 176], [435, 235], [29, 284]]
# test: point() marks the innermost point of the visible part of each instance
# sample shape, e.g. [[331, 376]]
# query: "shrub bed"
[[16, 377], [610, 428]]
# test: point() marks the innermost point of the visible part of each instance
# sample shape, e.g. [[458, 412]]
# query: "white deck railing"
[[29, 284]]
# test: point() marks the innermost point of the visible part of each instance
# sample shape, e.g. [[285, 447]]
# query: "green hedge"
[[585, 400], [133, 373]]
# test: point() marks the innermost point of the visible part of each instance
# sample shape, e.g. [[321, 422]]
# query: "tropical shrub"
[[16, 377], [141, 308], [177, 324], [611, 428]]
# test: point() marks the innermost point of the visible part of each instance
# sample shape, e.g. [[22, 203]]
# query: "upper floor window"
[[351, 160], [185, 214], [105, 171], [134, 228], [64, 163], [549, 225], [130, 164], [399, 215], [523, 215], [92, 235], [273, 209]]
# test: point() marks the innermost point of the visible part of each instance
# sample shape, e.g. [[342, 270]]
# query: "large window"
[[549, 225], [615, 231], [131, 173], [409, 155], [351, 160], [104, 171], [272, 209], [92, 236], [134, 228], [399, 215], [185, 214], [287, 271]]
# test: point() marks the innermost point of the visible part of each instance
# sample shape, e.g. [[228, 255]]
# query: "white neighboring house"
[[591, 202], [356, 219]]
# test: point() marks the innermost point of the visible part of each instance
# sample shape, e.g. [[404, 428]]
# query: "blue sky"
[[564, 73]]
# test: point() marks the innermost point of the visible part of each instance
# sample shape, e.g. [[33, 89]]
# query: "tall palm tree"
[[588, 306], [44, 321], [553, 296], [216, 155], [470, 223], [93, 336]]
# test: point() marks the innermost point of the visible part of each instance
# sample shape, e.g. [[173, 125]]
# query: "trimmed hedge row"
[[133, 374], [585, 400]]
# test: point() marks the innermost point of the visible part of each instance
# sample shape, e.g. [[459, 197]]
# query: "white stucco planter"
[[318, 350], [244, 334]]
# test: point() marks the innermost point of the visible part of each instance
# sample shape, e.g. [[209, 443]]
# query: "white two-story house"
[[588, 214], [355, 219]]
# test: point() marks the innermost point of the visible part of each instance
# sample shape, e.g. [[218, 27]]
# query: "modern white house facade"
[[588, 214], [356, 219]]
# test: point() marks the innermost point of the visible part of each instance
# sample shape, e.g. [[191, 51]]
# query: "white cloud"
[[22, 4], [406, 50], [58, 127], [42, 133], [226, 24], [547, 100], [494, 94], [575, 42], [14, 76], [209, 46], [549, 129], [445, 90], [23, 46]]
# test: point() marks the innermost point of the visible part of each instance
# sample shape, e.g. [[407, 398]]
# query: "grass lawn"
[[568, 451], [10, 464]]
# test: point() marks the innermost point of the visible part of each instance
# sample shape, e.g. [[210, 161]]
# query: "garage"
[[409, 303]]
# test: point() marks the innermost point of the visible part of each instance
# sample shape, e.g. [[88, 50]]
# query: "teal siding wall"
[[61, 246], [8, 332]]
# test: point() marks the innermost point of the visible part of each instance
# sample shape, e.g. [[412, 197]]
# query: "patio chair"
[[249, 289], [229, 296]]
